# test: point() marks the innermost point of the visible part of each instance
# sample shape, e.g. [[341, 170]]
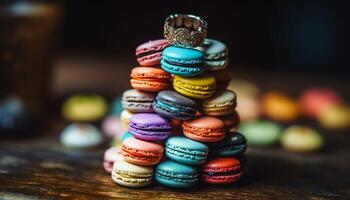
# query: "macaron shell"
[[150, 121], [150, 127], [216, 54], [84, 108], [192, 70], [149, 79], [130, 175], [138, 101], [231, 120], [261, 133], [174, 105], [112, 126], [204, 129], [183, 55], [216, 171], [125, 117], [81, 135], [111, 155], [199, 87], [141, 152], [154, 58], [223, 78], [177, 175], [221, 103], [184, 150], [313, 101], [233, 144]]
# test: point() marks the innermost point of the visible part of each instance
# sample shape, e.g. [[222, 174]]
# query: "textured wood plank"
[[41, 168]]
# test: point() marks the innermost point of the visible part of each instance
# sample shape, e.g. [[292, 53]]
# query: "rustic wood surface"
[[40, 168]]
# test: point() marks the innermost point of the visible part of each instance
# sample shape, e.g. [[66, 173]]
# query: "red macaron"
[[222, 170], [150, 53]]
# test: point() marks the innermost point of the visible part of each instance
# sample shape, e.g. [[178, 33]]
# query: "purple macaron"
[[150, 127]]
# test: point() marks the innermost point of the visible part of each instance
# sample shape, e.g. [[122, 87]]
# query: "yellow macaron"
[[198, 87]]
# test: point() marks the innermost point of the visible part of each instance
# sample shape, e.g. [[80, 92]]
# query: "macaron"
[[182, 61], [198, 87], [84, 108], [204, 129], [81, 135], [137, 101], [150, 79], [111, 155], [301, 139], [223, 78], [150, 53], [117, 141], [221, 103], [127, 134], [141, 152], [222, 170], [125, 118], [176, 175], [279, 107], [314, 100], [230, 120], [16, 120], [187, 151], [244, 87], [260, 132], [150, 127], [112, 126], [234, 144], [335, 117], [130, 175], [116, 106], [216, 54], [248, 107], [173, 105]]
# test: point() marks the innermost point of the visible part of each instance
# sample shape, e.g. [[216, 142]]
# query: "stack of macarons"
[[181, 119]]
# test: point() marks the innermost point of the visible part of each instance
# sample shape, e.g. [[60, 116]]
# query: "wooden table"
[[40, 168]]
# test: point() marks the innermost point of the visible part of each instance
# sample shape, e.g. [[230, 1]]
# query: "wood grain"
[[42, 168]]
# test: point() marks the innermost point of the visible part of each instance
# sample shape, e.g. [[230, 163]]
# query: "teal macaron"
[[176, 175], [234, 144], [187, 151], [182, 61]]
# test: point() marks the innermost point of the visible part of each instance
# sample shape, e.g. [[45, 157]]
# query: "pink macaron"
[[315, 100], [141, 152], [111, 155], [112, 126], [150, 53]]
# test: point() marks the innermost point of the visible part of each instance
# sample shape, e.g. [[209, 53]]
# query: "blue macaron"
[[187, 151], [234, 144], [173, 105], [126, 135], [177, 175], [182, 61]]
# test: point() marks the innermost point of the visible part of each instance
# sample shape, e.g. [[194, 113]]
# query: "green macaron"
[[260, 132]]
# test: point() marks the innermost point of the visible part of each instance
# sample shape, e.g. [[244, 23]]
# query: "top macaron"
[[150, 53], [216, 54], [182, 61]]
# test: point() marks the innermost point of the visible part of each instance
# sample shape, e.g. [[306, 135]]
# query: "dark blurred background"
[[54, 48], [310, 35]]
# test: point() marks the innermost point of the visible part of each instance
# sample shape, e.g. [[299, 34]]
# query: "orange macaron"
[[204, 129], [150, 79]]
